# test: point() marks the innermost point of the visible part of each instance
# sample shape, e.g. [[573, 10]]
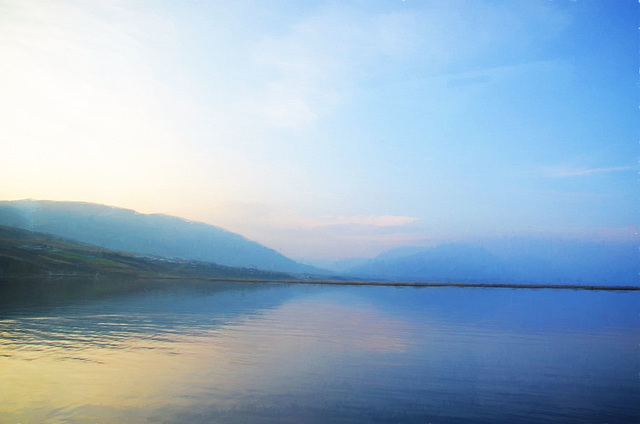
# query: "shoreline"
[[442, 284], [530, 286]]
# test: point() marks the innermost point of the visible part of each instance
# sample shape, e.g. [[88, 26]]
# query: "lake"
[[100, 351]]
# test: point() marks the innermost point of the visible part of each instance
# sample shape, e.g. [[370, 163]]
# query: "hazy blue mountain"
[[338, 266], [25, 253], [518, 260], [127, 230]]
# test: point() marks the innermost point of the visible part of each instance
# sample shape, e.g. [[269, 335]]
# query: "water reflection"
[[275, 353]]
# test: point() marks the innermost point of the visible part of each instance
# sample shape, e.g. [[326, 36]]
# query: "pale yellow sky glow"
[[85, 117], [398, 123]]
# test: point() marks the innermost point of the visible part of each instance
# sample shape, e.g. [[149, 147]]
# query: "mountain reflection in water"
[[178, 352]]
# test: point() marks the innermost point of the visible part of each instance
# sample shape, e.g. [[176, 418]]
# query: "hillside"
[[27, 253], [161, 235]]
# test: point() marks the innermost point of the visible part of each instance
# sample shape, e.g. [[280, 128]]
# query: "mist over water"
[[185, 351]]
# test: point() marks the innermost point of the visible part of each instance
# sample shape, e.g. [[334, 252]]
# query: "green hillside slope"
[[27, 253], [160, 235]]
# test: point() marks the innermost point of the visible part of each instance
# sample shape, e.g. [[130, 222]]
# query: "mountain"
[[28, 253], [514, 260], [338, 266], [155, 234]]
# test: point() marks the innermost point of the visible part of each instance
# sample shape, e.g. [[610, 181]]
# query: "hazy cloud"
[[313, 65], [370, 220], [570, 171]]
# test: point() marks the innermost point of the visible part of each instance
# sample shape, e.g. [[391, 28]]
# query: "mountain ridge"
[[25, 253], [155, 234], [516, 260]]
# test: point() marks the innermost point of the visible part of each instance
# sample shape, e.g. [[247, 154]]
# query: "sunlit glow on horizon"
[[302, 127]]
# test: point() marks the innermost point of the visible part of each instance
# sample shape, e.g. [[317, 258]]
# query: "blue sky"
[[329, 129]]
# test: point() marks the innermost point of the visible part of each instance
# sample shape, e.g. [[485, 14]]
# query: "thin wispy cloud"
[[565, 172], [259, 213], [370, 220], [298, 235]]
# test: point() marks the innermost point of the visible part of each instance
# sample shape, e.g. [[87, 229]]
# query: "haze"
[[326, 129]]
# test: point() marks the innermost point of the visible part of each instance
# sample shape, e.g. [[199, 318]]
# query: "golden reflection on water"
[[256, 353], [55, 376]]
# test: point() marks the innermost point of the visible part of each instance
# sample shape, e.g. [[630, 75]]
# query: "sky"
[[329, 129]]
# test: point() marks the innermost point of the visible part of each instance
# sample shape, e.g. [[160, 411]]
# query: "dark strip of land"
[[444, 284]]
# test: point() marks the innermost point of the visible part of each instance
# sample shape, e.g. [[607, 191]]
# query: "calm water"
[[189, 352]]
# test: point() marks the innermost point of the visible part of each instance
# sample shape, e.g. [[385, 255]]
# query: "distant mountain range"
[[513, 260], [508, 260], [160, 235]]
